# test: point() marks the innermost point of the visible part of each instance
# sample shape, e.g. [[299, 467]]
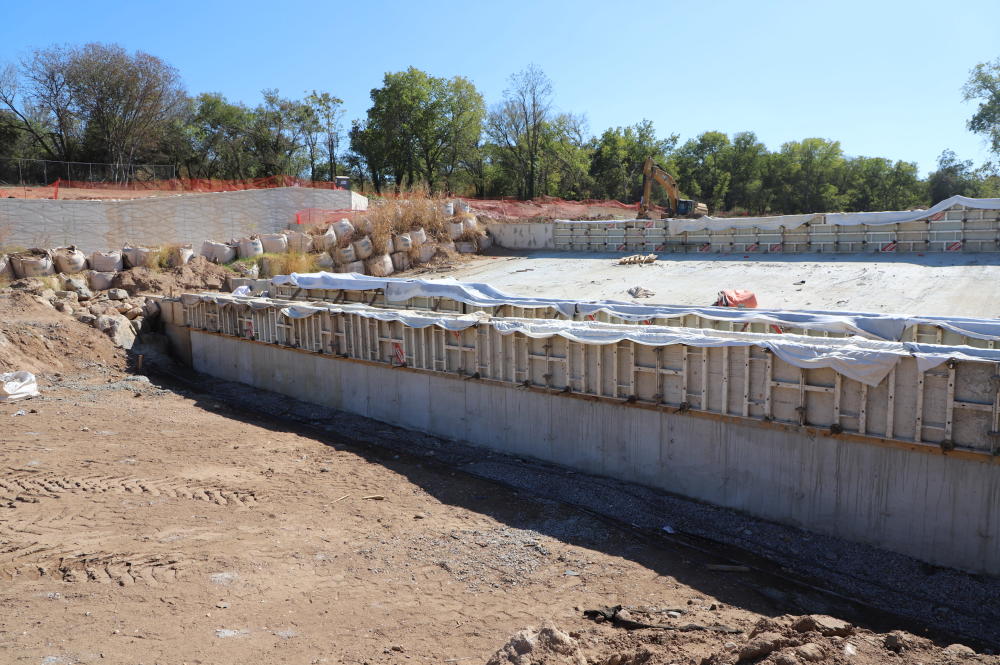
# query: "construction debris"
[[637, 259], [639, 292]]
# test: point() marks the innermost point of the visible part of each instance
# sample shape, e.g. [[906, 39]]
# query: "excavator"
[[677, 207]]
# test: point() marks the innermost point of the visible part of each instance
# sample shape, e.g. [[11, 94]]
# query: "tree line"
[[100, 103]]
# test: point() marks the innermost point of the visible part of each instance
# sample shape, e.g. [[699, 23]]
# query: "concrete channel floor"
[[933, 284]]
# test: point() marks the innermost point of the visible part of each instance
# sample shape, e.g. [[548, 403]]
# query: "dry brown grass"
[[285, 263]]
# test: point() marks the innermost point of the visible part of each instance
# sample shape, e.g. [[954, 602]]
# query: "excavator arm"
[[651, 171]]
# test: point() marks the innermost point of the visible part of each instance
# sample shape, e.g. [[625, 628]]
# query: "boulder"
[[64, 307], [810, 652], [118, 328], [78, 286], [118, 294], [824, 625], [87, 319], [762, 645]]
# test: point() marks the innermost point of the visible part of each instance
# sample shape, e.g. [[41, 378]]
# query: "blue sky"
[[882, 77]]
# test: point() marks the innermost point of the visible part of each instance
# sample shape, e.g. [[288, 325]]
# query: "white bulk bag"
[[449, 209], [69, 260], [250, 247], [461, 206], [325, 241], [400, 261], [354, 266], [418, 236], [140, 257], [217, 252], [107, 261], [365, 225], [180, 255], [344, 229], [427, 251], [17, 385], [402, 243], [346, 255], [484, 241], [471, 224], [274, 243], [325, 262], [298, 242], [6, 269], [34, 263], [379, 266], [100, 281], [363, 248]]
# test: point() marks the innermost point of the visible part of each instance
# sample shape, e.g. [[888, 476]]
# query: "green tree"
[[517, 126], [329, 113], [952, 177], [983, 86], [701, 168], [618, 157]]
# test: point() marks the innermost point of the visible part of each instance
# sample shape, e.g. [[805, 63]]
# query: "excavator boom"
[[651, 171]]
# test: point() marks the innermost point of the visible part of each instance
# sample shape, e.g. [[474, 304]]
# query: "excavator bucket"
[[737, 298]]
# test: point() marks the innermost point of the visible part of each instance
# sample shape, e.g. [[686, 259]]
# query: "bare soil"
[[146, 522]]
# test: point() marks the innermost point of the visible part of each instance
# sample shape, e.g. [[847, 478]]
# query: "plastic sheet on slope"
[[903, 216], [17, 385], [877, 326], [864, 360]]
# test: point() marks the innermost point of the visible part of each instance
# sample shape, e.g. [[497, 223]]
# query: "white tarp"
[[903, 216], [865, 360], [17, 385], [877, 326], [776, 223]]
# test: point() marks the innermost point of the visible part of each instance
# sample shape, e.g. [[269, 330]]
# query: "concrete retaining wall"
[[187, 218], [522, 236], [936, 507]]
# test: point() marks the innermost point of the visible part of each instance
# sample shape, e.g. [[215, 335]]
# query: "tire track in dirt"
[[31, 488]]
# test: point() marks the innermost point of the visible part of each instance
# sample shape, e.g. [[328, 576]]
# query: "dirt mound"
[[37, 338], [197, 275], [786, 640]]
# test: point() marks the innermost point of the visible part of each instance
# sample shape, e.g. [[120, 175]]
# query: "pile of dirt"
[[197, 275], [36, 337], [786, 640]]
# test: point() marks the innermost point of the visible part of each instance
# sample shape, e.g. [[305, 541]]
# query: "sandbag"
[[418, 237], [141, 257], [69, 260], [298, 242], [354, 266], [218, 252], [427, 251], [325, 241], [363, 248], [250, 247], [179, 255], [365, 225], [455, 230], [100, 281], [17, 385], [402, 243], [344, 230], [107, 261], [6, 269], [461, 206], [379, 266], [471, 224], [325, 262], [484, 241], [449, 209], [464, 247], [33, 263], [400, 261], [346, 255], [274, 243]]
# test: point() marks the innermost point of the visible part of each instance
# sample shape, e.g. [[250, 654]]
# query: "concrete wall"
[[938, 508], [186, 218], [522, 236]]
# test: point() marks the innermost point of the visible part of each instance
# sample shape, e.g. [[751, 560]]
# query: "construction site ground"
[[149, 515], [932, 284]]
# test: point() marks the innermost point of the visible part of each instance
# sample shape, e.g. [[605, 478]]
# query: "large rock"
[[79, 286], [810, 652], [762, 645], [118, 294], [118, 328], [824, 625]]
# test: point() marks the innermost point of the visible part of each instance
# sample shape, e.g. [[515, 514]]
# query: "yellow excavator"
[[677, 207]]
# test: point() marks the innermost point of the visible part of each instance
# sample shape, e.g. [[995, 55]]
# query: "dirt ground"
[[934, 284], [144, 521]]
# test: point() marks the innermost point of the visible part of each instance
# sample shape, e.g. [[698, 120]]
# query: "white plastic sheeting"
[[903, 216], [17, 385], [877, 326], [864, 360], [776, 223]]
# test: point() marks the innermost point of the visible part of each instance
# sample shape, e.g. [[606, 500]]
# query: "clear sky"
[[882, 77]]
